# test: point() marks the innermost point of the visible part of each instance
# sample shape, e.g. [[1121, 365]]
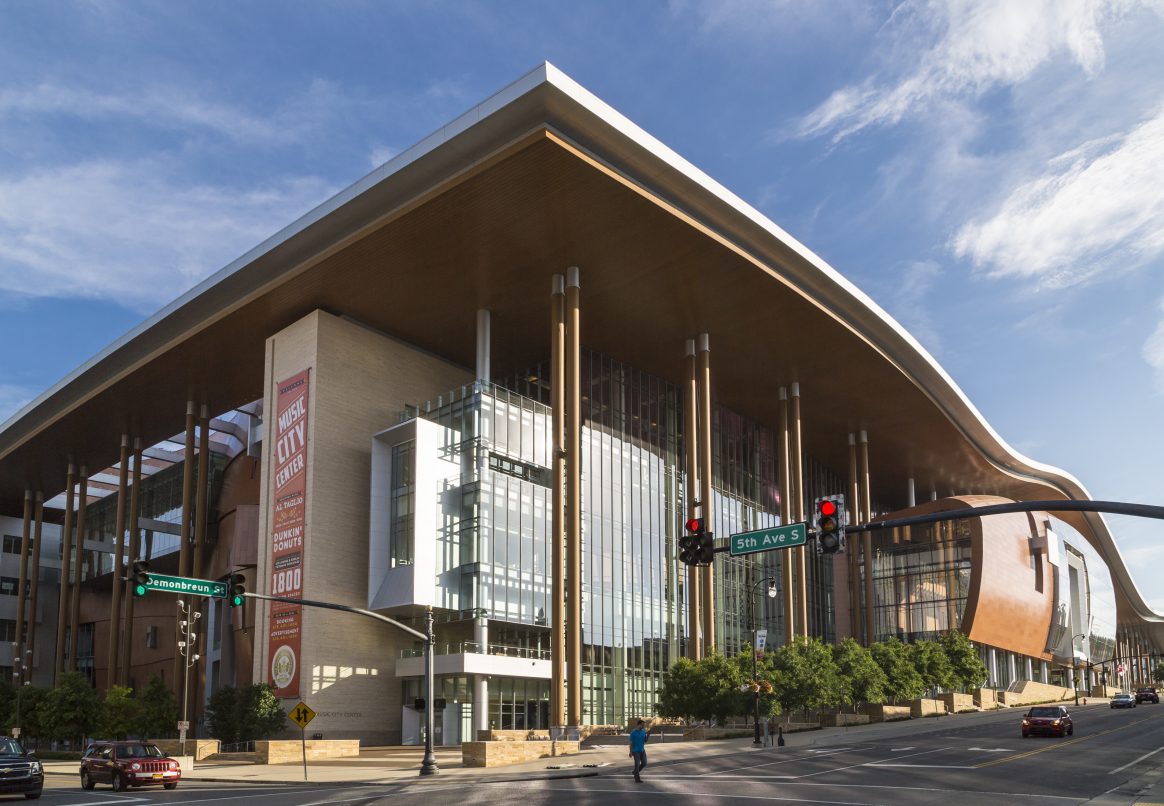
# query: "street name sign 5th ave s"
[[775, 537], [198, 587]]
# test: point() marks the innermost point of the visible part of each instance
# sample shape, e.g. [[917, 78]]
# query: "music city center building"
[[490, 381]]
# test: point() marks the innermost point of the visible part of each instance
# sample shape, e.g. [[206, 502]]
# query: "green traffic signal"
[[238, 589], [140, 577]]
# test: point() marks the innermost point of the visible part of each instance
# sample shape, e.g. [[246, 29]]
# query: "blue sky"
[[992, 173]]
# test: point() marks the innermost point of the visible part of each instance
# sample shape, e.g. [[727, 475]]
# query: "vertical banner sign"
[[288, 517], [761, 643]]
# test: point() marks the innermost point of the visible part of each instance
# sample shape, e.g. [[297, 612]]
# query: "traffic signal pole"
[[428, 766], [1111, 507]]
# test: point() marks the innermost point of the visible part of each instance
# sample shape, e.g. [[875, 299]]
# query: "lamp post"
[[1074, 674], [189, 631], [23, 672], [772, 594]]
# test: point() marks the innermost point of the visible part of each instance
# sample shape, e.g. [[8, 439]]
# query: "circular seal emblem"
[[283, 666]]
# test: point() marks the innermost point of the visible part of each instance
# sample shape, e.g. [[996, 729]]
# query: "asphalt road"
[[974, 759]]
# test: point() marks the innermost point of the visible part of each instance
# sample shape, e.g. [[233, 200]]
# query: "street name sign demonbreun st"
[[198, 587], [775, 537]]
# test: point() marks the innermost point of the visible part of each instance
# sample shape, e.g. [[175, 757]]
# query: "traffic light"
[[140, 577], [689, 541], [238, 589], [705, 548], [830, 524]]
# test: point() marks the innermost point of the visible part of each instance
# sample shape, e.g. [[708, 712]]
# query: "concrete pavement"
[[400, 765]]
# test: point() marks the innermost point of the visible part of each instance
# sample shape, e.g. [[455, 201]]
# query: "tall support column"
[[856, 620], [134, 556], [34, 574], [188, 469], [118, 564], [66, 556], [558, 517], [78, 568], [703, 359], [202, 494], [797, 466], [481, 681], [573, 498], [483, 344], [691, 456], [867, 538], [19, 667], [787, 493]]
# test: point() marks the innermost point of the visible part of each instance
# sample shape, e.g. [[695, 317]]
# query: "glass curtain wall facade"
[[494, 558], [921, 578]]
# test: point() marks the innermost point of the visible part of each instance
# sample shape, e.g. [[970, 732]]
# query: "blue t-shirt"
[[638, 740]]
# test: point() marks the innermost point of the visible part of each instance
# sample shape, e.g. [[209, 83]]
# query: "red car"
[[1050, 719], [126, 764]]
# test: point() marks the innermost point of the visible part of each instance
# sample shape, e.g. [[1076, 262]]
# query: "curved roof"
[[481, 214]]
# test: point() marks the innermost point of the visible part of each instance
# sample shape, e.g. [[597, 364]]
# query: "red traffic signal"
[[695, 525], [826, 507], [830, 524]]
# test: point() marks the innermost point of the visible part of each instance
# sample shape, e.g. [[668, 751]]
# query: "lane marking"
[[1137, 761], [819, 754], [715, 795], [872, 763], [639, 790], [1036, 751], [899, 749], [992, 749], [926, 766]]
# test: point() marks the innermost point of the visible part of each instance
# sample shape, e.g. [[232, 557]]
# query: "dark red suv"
[[126, 764]]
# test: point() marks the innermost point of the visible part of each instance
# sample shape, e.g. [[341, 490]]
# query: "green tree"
[[933, 665], [7, 704], [222, 714], [902, 681], [260, 716], [32, 704], [860, 679], [72, 710], [707, 689], [158, 718], [968, 669], [120, 713], [1158, 673], [805, 675]]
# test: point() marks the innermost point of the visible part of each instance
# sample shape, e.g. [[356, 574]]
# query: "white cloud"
[[939, 49], [13, 398], [1097, 208], [130, 231], [1153, 351]]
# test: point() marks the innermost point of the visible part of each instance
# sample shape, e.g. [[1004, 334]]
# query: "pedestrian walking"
[[638, 749]]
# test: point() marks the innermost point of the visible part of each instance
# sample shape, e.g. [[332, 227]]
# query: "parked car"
[[126, 764], [1147, 694], [1052, 719], [1123, 701], [20, 771]]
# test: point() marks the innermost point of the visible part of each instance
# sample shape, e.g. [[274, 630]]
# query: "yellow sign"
[[301, 715]]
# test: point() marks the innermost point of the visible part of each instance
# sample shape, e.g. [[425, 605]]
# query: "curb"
[[419, 779]]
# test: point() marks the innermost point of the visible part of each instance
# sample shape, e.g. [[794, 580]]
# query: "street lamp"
[[1074, 674], [23, 671], [772, 594], [188, 628]]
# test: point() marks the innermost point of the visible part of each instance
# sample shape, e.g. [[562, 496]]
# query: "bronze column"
[[202, 494], [78, 568], [867, 540], [573, 499], [38, 530], [118, 567], [787, 493], [691, 494], [558, 463], [706, 498], [19, 668], [856, 621], [66, 557], [134, 556], [797, 454]]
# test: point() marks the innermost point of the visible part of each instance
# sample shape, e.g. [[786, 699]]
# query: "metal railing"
[[476, 648]]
